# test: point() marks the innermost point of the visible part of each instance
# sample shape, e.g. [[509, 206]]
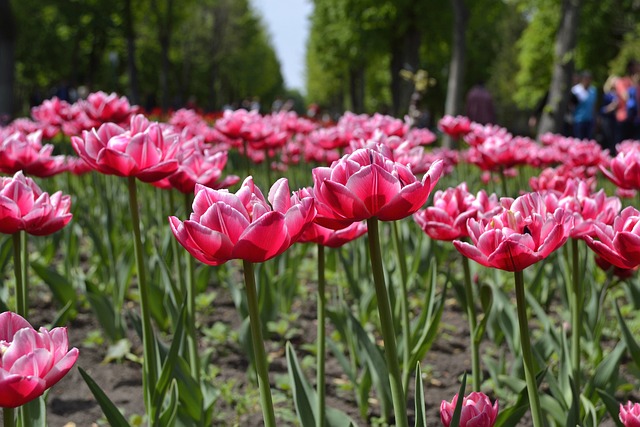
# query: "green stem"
[[320, 380], [471, 314], [194, 359], [8, 416], [21, 292], [404, 309], [503, 182], [150, 375], [576, 320], [527, 356], [386, 323], [259, 353]]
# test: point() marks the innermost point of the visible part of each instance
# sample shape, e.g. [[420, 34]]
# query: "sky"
[[288, 25]]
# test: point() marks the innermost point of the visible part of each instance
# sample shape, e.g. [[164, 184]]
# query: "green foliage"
[[219, 50]]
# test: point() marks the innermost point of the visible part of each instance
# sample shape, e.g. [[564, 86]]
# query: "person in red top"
[[624, 126]]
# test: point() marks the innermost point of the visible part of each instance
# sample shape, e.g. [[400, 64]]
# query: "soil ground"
[[71, 403]]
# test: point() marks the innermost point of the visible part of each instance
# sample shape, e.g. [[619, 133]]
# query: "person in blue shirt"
[[586, 95]]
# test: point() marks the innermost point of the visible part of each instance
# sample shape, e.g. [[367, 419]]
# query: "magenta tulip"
[[30, 361], [142, 151], [24, 206], [25, 152], [447, 218], [477, 411], [619, 243], [625, 168], [368, 184], [630, 414], [523, 234], [243, 225], [587, 207]]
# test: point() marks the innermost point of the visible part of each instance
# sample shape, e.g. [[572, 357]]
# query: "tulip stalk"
[[259, 353], [21, 291], [386, 324], [320, 380], [192, 340], [527, 355], [404, 309], [476, 373], [150, 376], [576, 320], [8, 417]]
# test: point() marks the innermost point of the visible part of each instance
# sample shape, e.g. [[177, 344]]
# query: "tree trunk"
[[134, 95], [453, 103], [553, 114], [356, 89], [164, 22], [405, 54], [7, 60]]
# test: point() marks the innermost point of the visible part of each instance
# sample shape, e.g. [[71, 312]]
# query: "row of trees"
[[217, 52], [357, 48], [160, 52]]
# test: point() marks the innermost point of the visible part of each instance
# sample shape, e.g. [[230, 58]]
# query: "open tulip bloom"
[[24, 206], [142, 151], [30, 361], [521, 235], [369, 184], [618, 243], [226, 226]]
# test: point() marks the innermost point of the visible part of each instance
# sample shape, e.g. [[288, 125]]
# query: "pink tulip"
[[625, 168], [199, 164], [102, 108], [447, 218], [587, 207], [326, 236], [523, 234], [20, 152], [630, 414], [142, 151], [618, 243], [477, 411], [30, 361], [367, 184], [24, 206], [456, 127], [243, 225]]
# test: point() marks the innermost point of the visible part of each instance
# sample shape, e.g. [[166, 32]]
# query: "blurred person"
[[624, 124], [480, 108], [608, 114], [585, 98]]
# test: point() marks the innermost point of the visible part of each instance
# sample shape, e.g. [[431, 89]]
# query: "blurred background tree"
[[214, 53]]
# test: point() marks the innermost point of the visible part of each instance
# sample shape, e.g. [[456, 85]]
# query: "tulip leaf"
[[429, 334], [304, 397], [420, 404], [169, 362], [168, 416], [511, 416], [61, 288], [104, 310], [457, 412], [111, 413], [612, 406], [606, 370], [629, 340]]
